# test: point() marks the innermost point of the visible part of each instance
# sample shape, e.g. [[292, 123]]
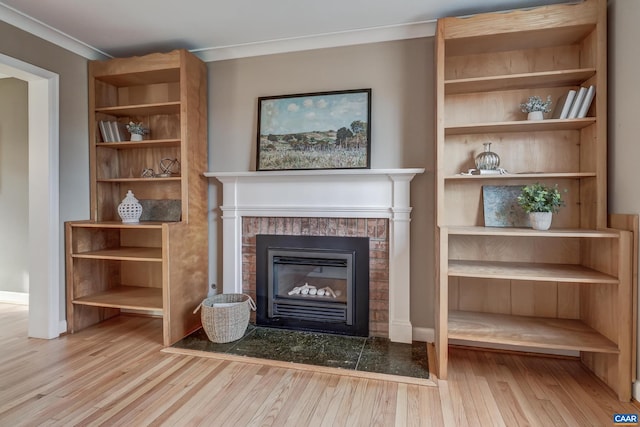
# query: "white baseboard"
[[423, 334], [635, 391], [62, 327], [21, 298]]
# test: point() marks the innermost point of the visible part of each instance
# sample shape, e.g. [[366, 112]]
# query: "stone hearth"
[[360, 197]]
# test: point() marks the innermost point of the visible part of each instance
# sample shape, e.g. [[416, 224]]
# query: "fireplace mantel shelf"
[[315, 172], [336, 193]]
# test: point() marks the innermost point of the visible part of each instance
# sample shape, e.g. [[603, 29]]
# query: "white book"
[[103, 131], [586, 103], [114, 131], [110, 136], [564, 108], [575, 107]]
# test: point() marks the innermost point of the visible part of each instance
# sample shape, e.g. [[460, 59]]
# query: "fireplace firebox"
[[317, 283]]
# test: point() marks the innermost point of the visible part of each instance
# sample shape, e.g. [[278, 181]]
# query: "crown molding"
[[321, 41], [294, 44], [40, 29]]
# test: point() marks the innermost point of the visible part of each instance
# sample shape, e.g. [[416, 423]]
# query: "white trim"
[[48, 33], [293, 44], [44, 195], [371, 193], [21, 298], [635, 392], [62, 327], [319, 41], [424, 334]]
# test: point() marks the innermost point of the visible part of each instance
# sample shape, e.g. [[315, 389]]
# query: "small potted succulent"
[[137, 130], [535, 106], [540, 202]]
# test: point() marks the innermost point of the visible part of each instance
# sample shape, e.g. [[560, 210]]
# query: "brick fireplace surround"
[[376, 229], [371, 203]]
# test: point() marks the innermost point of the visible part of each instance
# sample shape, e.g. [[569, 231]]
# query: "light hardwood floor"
[[114, 374]]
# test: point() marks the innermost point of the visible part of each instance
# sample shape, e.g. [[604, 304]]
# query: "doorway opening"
[[44, 217]]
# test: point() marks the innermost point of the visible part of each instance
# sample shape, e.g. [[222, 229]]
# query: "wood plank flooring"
[[114, 374]]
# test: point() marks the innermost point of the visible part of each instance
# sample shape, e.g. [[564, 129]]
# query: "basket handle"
[[197, 308], [252, 303]]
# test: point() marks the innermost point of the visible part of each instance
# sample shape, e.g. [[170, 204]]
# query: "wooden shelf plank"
[[520, 126], [528, 271], [150, 143], [139, 77], [117, 224], [517, 81], [124, 254], [529, 232], [142, 109], [545, 175], [129, 297], [538, 332]]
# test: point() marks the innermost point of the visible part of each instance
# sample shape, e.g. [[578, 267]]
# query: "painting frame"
[[316, 130]]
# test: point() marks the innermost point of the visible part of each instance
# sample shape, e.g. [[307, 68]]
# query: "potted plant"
[[137, 130], [540, 202], [535, 106]]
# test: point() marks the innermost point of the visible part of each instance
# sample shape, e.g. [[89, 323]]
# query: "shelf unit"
[[154, 267], [570, 288]]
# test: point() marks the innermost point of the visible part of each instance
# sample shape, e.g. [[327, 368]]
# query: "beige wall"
[[624, 96], [14, 186], [400, 76], [73, 135]]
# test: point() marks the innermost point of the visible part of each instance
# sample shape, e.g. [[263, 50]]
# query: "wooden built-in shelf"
[[124, 254], [519, 126], [575, 284], [156, 267], [543, 272], [544, 79], [150, 143], [545, 175], [529, 232], [128, 297], [142, 109], [538, 332]]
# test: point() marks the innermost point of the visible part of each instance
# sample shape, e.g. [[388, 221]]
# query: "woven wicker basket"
[[225, 317]]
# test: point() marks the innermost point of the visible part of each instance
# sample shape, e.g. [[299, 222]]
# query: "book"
[[564, 105], [103, 131], [575, 107], [119, 131], [586, 103], [110, 136]]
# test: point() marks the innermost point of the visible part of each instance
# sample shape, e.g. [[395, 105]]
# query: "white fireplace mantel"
[[340, 193]]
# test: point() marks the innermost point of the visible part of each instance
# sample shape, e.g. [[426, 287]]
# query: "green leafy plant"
[[535, 103], [540, 198], [137, 128]]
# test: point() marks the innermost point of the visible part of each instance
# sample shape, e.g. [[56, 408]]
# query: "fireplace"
[[318, 283], [269, 198]]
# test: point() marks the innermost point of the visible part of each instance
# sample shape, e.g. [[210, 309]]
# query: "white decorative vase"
[[136, 137], [130, 209], [540, 220], [535, 115]]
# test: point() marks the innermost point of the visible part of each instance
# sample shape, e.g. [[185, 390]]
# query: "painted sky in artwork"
[[312, 113]]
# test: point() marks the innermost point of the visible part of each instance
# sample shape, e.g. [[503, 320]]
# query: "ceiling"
[[134, 27]]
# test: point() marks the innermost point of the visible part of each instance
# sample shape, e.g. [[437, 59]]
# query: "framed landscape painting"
[[324, 130]]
